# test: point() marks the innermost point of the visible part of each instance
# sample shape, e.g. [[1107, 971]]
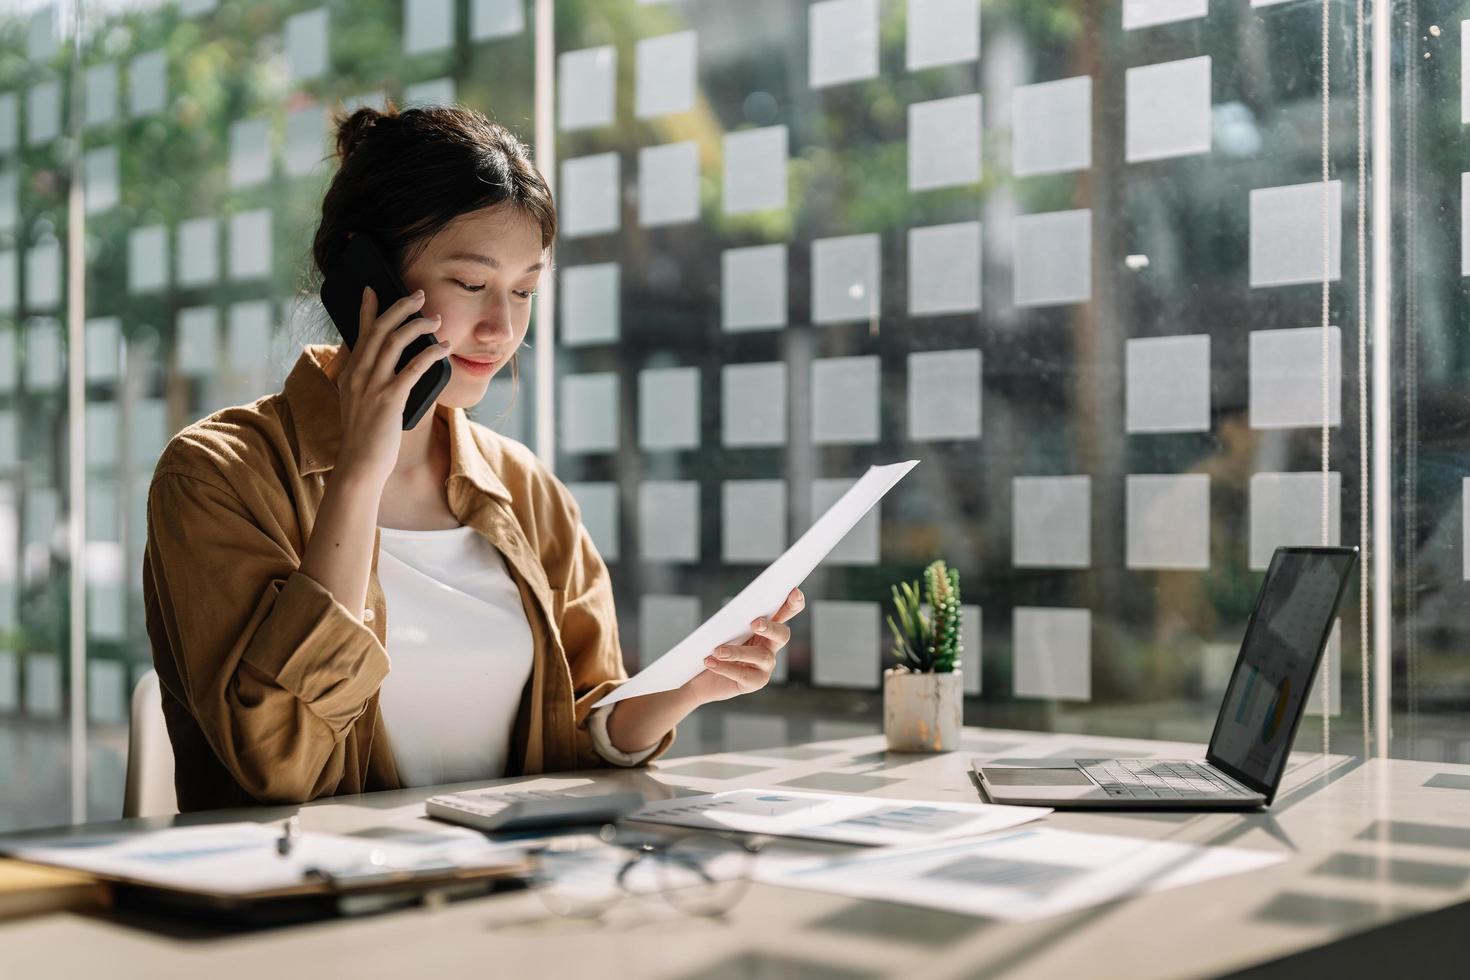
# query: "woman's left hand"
[[740, 669]]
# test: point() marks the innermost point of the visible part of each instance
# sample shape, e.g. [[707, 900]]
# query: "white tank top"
[[460, 650]]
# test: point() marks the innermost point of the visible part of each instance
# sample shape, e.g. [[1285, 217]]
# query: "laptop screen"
[[1285, 638]]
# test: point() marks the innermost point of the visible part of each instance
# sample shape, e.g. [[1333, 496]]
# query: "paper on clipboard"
[[764, 596]]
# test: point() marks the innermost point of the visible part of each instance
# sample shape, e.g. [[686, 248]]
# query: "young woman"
[[338, 605]]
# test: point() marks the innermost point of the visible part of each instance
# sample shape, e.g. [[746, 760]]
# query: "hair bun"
[[353, 129]]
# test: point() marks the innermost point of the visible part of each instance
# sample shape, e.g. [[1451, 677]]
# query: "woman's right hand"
[[372, 395]]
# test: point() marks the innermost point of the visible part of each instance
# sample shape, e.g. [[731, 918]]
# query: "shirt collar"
[[311, 392]]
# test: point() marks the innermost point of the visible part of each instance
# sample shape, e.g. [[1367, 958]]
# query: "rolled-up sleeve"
[[273, 669]]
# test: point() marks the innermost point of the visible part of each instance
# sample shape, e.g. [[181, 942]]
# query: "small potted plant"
[[923, 695]]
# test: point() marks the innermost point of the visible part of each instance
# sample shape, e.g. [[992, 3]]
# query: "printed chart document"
[[237, 859], [765, 595], [835, 817], [1017, 875]]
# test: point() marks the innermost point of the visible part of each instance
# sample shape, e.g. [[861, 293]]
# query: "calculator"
[[507, 811]]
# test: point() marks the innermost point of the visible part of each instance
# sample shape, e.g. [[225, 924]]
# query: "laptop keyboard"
[[1148, 779]]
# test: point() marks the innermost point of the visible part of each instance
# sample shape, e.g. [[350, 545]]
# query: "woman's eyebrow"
[[485, 260]]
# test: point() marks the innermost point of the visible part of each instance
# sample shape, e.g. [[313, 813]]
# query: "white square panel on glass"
[[944, 269], [1053, 653], [944, 143], [591, 304], [43, 276], [664, 621], [972, 641], [435, 91], [104, 435], [1286, 509], [668, 520], [9, 281], [847, 644], [104, 348], [847, 278], [1287, 230], [589, 413], [590, 195], [43, 33], [944, 395], [1331, 670], [1167, 381], [250, 152], [668, 408], [306, 44], [1168, 521], [585, 86], [250, 244], [846, 392], [148, 84], [753, 288], [1053, 258], [248, 335], [43, 685], [428, 25], [198, 257], [1147, 13], [147, 259], [668, 184], [45, 356], [1052, 126], [755, 170], [752, 520], [148, 428], [753, 405], [490, 19], [9, 121], [306, 144], [942, 32], [100, 180], [1168, 110], [1051, 521], [197, 343], [599, 505], [666, 68], [100, 102], [863, 542], [10, 197], [842, 41], [1286, 378], [43, 113], [107, 680]]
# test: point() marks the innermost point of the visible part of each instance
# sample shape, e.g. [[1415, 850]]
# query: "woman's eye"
[[525, 293], [468, 288]]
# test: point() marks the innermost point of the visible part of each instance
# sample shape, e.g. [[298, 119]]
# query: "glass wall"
[[1070, 254]]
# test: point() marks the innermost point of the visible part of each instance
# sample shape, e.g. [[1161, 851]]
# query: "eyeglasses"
[[585, 875]]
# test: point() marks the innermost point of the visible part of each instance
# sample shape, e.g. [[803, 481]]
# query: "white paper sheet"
[[1017, 875], [764, 596], [241, 858], [836, 817]]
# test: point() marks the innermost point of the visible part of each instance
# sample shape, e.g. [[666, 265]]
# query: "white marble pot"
[[922, 712]]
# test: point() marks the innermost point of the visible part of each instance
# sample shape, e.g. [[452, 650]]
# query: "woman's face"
[[479, 273]]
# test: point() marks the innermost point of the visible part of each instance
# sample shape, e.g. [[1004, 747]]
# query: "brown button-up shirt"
[[270, 685]]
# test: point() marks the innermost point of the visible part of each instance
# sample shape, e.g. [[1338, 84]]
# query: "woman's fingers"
[[745, 676], [755, 656], [415, 369], [372, 332], [398, 341], [770, 634], [794, 603]]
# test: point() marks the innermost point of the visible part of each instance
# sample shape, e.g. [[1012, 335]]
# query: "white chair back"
[[150, 786]]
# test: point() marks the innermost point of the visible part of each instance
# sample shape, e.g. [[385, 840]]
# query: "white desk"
[[1376, 883]]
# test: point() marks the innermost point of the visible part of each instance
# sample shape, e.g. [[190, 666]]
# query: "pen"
[[290, 833]]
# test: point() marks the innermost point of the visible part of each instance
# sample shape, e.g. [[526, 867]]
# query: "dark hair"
[[406, 175]]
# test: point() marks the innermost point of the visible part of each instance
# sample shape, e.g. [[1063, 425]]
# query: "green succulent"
[[928, 640]]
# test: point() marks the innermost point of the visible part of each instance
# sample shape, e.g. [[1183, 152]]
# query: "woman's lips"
[[478, 369]]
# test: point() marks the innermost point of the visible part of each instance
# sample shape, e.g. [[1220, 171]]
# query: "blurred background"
[[1070, 254]]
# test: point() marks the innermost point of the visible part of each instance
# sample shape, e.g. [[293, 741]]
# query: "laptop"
[[1264, 703]]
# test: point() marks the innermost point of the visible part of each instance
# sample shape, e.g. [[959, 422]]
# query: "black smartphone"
[[362, 264]]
